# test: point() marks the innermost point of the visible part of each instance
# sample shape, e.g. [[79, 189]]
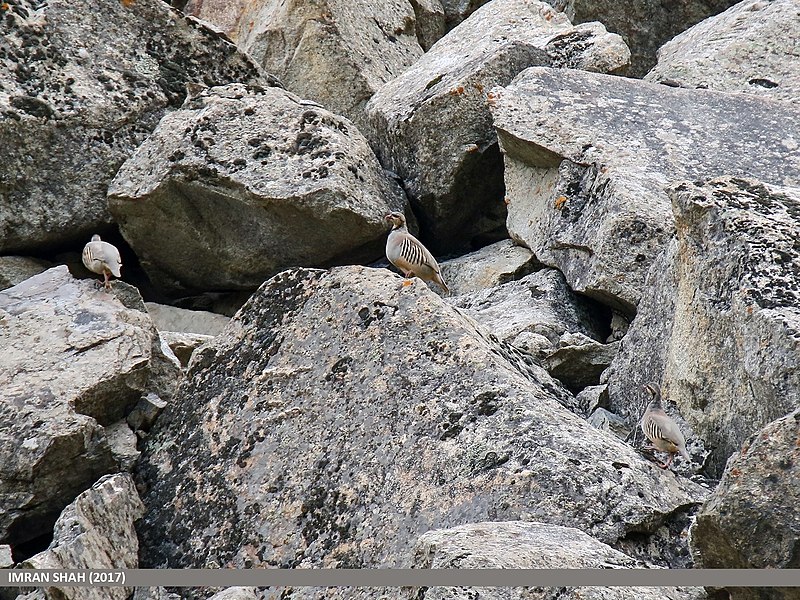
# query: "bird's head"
[[95, 238], [396, 219], [653, 389]]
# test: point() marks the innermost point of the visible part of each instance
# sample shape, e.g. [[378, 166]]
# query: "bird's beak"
[[387, 218]]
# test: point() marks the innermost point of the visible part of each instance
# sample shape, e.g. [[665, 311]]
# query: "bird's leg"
[[408, 281], [669, 461], [107, 283]]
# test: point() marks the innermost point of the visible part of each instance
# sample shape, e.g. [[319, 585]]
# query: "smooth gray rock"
[[335, 52], [722, 322], [521, 545], [243, 182], [223, 16], [16, 269], [82, 84], [183, 345], [644, 25], [608, 421], [6, 562], [751, 520], [173, 319], [333, 478], [145, 413], [592, 397], [488, 267], [122, 441], [588, 158], [750, 48], [579, 360], [431, 22], [74, 359], [540, 303], [432, 126], [96, 531]]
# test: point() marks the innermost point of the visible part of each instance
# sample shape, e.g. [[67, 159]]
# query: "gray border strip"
[[402, 577]]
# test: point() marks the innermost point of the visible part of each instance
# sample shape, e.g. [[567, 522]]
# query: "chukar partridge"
[[102, 258], [660, 429], [408, 254]]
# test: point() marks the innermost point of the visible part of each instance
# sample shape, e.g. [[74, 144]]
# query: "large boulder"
[[82, 84], [488, 267], [74, 360], [588, 158], [540, 304], [521, 545], [335, 52], [644, 25], [341, 415], [96, 531], [172, 318], [432, 124], [16, 269], [751, 520], [751, 47], [722, 321], [243, 182]]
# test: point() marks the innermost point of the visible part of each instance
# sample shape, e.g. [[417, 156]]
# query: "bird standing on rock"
[[102, 258], [660, 429], [408, 254]]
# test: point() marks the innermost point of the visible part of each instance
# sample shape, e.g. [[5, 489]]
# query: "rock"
[[722, 322], [488, 267], [6, 561], [431, 22], [223, 16], [432, 126], [457, 10], [236, 593], [608, 421], [521, 545], [581, 176], [579, 360], [243, 182], [745, 49], [145, 413], [540, 303], [592, 398], [122, 442], [185, 344], [82, 84], [644, 25], [751, 519], [154, 593], [288, 478], [174, 319], [96, 531], [16, 269], [74, 360], [334, 52]]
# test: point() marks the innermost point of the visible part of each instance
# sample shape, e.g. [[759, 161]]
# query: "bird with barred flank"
[[660, 429], [408, 254], [102, 258]]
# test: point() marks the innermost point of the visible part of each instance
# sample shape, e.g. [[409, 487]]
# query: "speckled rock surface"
[[172, 318], [16, 269], [431, 22], [335, 52], [644, 24], [588, 158], [722, 322], [95, 532], [488, 267], [74, 359], [540, 303], [417, 420], [82, 83], [751, 47], [432, 126], [579, 360], [243, 182], [751, 520], [521, 545]]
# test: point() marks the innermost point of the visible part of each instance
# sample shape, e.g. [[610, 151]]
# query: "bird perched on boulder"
[[408, 254], [660, 429], [102, 258]]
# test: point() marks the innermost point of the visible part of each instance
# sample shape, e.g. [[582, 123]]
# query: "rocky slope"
[[598, 232]]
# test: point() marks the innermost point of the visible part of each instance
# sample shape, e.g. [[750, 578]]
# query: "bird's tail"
[[440, 282]]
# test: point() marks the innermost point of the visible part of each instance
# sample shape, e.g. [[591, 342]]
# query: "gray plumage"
[[102, 258], [660, 429], [408, 254]]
